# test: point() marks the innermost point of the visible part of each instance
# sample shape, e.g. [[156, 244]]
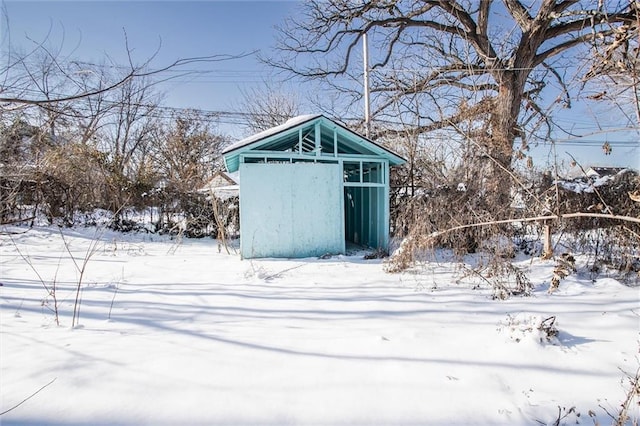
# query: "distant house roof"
[[223, 185], [221, 178], [286, 137], [603, 171]]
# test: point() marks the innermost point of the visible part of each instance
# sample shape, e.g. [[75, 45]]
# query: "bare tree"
[[477, 68], [267, 107], [100, 114], [127, 138], [20, 74], [187, 149], [22, 146], [186, 153], [614, 74]]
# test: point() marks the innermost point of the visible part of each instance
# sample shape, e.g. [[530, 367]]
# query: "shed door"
[[290, 210]]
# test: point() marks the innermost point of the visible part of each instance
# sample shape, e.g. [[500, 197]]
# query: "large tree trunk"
[[503, 131]]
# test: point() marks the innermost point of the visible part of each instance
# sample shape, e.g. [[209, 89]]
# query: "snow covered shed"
[[308, 187]]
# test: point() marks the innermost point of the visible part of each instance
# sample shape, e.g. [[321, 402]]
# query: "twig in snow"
[[28, 398], [112, 300]]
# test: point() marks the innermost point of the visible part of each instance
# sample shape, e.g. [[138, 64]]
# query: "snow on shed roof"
[[283, 135], [292, 122]]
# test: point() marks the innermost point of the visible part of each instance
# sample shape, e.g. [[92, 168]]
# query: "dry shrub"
[[433, 219], [523, 326], [565, 266], [504, 278], [72, 179], [508, 280], [612, 197], [425, 220], [613, 245], [612, 251]]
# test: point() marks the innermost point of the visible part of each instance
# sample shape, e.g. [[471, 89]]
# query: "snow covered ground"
[[182, 334]]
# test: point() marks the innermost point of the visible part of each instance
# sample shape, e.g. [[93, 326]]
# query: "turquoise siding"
[[291, 210], [308, 187]]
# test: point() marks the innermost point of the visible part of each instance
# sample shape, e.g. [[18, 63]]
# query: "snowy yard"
[[182, 334]]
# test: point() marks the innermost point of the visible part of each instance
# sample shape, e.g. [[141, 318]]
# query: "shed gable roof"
[[287, 137]]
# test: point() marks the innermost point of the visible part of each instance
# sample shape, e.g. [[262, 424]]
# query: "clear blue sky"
[[180, 29]]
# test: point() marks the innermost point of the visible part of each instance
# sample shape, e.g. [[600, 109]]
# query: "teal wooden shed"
[[309, 187]]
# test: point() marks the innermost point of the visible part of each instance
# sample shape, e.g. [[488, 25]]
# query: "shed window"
[[372, 172], [352, 171]]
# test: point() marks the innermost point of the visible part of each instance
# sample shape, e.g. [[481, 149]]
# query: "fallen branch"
[[537, 218], [14, 221], [410, 241]]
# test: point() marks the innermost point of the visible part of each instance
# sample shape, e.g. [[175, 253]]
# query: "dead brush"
[[508, 280], [503, 277], [548, 330], [627, 412], [522, 326], [632, 398], [565, 266]]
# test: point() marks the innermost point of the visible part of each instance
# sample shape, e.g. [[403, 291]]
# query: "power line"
[[599, 143]]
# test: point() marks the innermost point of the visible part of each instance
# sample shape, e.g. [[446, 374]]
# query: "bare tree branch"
[[135, 72]]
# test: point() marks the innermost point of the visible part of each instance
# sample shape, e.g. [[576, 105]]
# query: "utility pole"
[[367, 105]]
